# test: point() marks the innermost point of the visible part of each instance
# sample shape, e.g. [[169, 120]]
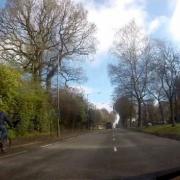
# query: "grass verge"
[[164, 131]]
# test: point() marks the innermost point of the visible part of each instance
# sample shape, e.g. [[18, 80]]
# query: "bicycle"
[[5, 147]]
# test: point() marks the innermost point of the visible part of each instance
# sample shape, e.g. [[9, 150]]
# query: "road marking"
[[115, 149], [24, 145], [14, 154], [44, 146]]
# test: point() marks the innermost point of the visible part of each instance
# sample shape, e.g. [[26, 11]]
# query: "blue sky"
[[156, 16], [2, 2], [160, 18]]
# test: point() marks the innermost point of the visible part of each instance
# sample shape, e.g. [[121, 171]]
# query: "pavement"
[[106, 154]]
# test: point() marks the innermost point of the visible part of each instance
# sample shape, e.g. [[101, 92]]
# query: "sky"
[[160, 18]]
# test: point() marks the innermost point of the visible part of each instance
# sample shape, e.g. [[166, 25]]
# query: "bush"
[[9, 83], [25, 100]]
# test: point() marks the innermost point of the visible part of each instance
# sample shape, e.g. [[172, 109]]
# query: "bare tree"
[[167, 68], [155, 88], [75, 37], [126, 110], [133, 50], [26, 32], [34, 33], [71, 73]]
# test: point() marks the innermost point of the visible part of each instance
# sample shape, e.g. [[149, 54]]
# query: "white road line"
[[44, 146], [14, 154], [23, 145], [115, 149]]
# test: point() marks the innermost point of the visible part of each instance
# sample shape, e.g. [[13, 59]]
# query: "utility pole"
[[58, 98]]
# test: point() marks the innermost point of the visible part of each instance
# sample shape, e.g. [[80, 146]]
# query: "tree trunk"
[[36, 71], [176, 108], [73, 124], [139, 114], [131, 115], [171, 112], [35, 77], [145, 112], [48, 85], [130, 121], [51, 74], [161, 112], [49, 77]]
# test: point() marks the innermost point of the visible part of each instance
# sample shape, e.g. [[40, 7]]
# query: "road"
[[107, 154]]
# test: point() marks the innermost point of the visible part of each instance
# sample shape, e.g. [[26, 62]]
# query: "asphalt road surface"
[[107, 154]]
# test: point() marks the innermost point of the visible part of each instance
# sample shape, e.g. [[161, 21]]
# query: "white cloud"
[[101, 105], [110, 18], [111, 15], [84, 89], [174, 22], [156, 23]]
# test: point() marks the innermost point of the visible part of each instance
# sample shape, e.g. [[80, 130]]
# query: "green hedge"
[[21, 98]]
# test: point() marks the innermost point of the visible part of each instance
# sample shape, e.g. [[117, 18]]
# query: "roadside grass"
[[164, 130], [40, 137], [13, 135]]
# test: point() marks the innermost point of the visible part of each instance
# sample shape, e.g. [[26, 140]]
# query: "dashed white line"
[[115, 149], [44, 146]]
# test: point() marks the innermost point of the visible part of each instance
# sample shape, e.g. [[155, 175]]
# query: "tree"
[[150, 112], [25, 100], [125, 109], [9, 85], [26, 33], [37, 35], [177, 98], [106, 116], [75, 36], [73, 109], [71, 72], [155, 89], [167, 69], [130, 75]]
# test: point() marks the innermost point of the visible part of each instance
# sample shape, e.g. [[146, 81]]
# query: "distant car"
[[108, 125]]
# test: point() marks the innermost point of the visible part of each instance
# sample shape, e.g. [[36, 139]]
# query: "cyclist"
[[3, 130]]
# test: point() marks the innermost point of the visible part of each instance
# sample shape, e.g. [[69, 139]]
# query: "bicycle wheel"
[[6, 146], [1, 146]]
